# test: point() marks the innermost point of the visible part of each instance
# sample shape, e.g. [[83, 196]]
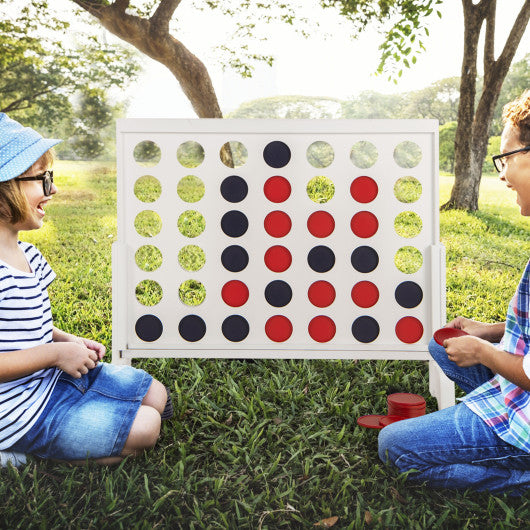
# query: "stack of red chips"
[[400, 407]]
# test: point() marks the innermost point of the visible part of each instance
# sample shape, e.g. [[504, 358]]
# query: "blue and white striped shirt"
[[504, 406], [25, 321]]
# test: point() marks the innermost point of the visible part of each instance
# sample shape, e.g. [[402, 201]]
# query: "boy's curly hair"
[[14, 206], [517, 113]]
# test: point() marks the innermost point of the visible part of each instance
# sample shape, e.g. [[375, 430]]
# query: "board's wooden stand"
[[298, 134]]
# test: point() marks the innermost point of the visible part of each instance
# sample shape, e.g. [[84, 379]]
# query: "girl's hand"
[[74, 358], [489, 332], [96, 347]]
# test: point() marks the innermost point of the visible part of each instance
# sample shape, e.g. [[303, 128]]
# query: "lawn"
[[270, 444]]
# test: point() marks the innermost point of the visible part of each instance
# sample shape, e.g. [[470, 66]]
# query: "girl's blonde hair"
[[14, 206], [517, 113]]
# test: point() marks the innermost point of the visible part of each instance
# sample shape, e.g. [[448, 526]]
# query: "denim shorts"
[[90, 417]]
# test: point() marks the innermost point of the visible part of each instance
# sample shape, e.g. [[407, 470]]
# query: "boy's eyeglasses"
[[498, 161], [47, 181]]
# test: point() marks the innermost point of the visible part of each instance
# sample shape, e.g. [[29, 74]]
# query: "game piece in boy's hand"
[[447, 333]]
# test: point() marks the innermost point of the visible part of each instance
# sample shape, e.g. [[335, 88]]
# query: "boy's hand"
[[489, 332], [74, 358]]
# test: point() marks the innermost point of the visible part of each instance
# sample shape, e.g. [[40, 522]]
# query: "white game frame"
[[168, 134]]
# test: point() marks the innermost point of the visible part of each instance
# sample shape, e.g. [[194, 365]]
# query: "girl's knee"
[[144, 432], [156, 396]]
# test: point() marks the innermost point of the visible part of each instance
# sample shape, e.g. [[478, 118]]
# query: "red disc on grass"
[[278, 328], [406, 400], [322, 329], [364, 224], [321, 294], [447, 333], [364, 189], [277, 224], [277, 189], [409, 330], [321, 224], [234, 293], [365, 294], [278, 258], [387, 420], [371, 421]]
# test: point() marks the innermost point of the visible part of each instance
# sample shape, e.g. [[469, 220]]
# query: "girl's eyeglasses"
[[47, 181], [498, 161]]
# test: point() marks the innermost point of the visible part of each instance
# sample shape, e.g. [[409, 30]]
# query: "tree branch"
[[162, 15], [489, 43]]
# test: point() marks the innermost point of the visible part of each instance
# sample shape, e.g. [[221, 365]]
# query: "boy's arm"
[[469, 351], [74, 359]]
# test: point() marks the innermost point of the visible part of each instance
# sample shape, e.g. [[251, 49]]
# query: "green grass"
[[270, 444]]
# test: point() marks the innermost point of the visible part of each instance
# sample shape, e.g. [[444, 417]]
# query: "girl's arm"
[[73, 358]]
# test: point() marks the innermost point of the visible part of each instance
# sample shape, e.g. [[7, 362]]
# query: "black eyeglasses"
[[47, 181], [498, 161]]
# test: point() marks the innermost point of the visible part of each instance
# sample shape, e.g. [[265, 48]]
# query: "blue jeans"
[[454, 448]]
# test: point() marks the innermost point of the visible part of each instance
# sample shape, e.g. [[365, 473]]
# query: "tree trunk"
[[471, 140]]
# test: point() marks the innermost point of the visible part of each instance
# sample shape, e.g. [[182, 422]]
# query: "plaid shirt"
[[505, 407]]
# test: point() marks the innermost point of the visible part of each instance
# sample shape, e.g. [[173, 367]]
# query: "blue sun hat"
[[20, 147]]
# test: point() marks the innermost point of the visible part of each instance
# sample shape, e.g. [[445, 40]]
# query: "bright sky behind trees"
[[336, 66]]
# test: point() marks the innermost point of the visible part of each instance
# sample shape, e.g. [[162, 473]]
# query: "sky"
[[333, 66]]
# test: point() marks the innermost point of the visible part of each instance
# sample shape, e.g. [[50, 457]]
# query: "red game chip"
[[406, 405], [321, 294], [364, 189], [447, 333], [387, 420], [278, 328], [277, 224], [409, 330], [321, 224], [278, 258], [364, 224], [234, 293], [277, 189], [322, 328], [372, 421], [365, 294]]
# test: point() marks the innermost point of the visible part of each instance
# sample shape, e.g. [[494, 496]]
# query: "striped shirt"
[[25, 321], [504, 406]]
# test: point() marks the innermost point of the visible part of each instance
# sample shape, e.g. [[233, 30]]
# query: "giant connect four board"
[[278, 239]]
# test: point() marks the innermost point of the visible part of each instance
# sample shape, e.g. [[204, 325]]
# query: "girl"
[[57, 400], [483, 442]]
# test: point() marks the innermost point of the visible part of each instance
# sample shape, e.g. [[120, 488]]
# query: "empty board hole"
[[408, 260], [148, 223], [320, 154], [147, 188], [320, 189], [192, 258], [148, 292], [407, 154], [191, 223], [190, 188], [407, 189], [190, 154], [148, 258], [408, 224], [364, 154], [192, 292], [233, 154], [147, 153]]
